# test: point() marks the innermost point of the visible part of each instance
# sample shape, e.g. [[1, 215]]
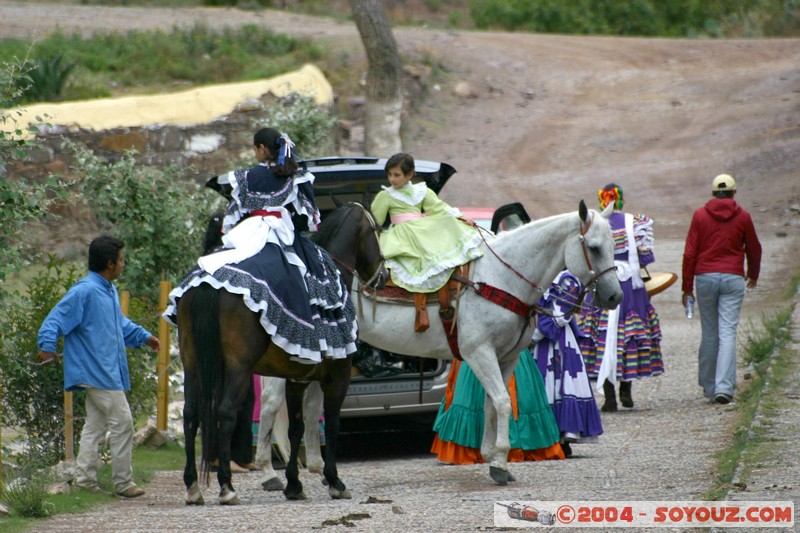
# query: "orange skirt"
[[450, 452]]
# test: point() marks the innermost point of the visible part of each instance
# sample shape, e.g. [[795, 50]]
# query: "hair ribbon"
[[286, 145]]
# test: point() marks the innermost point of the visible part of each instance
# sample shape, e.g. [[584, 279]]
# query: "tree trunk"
[[384, 79]]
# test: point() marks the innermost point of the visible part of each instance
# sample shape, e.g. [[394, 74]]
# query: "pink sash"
[[405, 217]]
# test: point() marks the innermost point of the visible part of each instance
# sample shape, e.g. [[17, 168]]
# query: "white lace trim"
[[411, 194], [295, 351]]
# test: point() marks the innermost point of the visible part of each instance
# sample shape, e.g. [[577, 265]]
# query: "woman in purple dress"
[[624, 344], [558, 357]]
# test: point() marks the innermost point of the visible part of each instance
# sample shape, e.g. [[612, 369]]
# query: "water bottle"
[[689, 307]]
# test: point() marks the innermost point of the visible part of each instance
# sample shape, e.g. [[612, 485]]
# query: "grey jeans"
[[719, 299]]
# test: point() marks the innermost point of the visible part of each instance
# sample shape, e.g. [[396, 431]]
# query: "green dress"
[[426, 241], [534, 428]]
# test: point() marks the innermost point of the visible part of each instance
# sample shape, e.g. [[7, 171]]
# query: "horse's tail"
[[210, 368]]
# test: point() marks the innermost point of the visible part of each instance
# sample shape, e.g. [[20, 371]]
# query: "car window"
[[510, 222]]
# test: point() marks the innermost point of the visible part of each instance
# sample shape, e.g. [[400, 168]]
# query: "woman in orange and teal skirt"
[[533, 431]]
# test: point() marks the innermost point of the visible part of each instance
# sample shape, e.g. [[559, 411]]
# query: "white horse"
[[521, 263]]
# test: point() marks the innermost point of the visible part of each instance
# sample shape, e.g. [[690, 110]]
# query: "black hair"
[[724, 194], [274, 141], [404, 161], [102, 250], [213, 236]]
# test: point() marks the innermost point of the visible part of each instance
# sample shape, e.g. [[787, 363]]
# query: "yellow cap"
[[723, 182]]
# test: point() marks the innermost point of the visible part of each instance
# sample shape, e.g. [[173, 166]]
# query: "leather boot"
[[610, 405], [421, 323], [625, 397]]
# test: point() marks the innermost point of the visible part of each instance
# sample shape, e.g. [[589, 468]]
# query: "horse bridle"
[[375, 280], [592, 284]]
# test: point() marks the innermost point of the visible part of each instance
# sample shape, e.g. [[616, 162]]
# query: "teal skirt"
[[534, 428]]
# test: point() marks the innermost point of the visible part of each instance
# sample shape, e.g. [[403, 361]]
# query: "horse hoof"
[[315, 468], [232, 500], [499, 475], [228, 497], [511, 478], [295, 495], [337, 494], [272, 484], [194, 496]]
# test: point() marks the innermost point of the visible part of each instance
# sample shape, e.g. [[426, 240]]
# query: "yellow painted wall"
[[185, 108]]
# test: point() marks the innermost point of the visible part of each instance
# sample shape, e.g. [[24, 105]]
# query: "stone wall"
[[204, 150]]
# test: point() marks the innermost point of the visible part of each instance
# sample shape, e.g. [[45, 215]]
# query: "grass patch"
[[152, 61], [146, 462], [749, 444]]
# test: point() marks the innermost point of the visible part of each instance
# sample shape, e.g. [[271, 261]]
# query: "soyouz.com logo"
[[554, 514]]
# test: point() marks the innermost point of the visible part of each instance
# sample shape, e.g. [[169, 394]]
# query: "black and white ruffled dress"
[[289, 281]]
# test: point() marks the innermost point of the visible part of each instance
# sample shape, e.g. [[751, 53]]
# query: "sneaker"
[[131, 492], [722, 399]]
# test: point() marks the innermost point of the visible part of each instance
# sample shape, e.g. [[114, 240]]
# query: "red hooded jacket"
[[720, 237]]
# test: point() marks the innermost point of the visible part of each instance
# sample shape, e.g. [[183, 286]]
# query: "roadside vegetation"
[[71, 67], [770, 362], [30, 502]]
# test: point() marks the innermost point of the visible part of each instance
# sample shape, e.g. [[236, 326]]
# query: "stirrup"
[[421, 321]]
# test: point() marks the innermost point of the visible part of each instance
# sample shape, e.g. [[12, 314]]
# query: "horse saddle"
[[450, 291]]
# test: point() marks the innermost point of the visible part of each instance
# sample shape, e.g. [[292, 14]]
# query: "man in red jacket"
[[720, 238]]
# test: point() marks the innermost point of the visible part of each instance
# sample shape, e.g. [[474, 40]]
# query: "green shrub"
[[667, 18], [48, 77], [27, 497], [309, 126], [240, 3], [33, 395], [20, 200], [160, 215]]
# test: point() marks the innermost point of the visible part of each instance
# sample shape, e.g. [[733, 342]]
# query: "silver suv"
[[388, 387]]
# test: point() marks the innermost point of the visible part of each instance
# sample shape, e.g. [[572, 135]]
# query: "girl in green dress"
[[427, 238]]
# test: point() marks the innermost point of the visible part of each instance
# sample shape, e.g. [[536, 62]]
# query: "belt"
[[263, 213]]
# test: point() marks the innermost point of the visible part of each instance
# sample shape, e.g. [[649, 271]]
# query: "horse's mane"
[[331, 224]]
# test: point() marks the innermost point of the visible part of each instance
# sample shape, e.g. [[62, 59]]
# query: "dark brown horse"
[[222, 344]]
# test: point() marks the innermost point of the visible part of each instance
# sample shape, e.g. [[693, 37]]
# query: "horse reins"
[[514, 304]]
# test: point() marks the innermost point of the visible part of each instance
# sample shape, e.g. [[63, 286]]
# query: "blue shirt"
[[95, 335]]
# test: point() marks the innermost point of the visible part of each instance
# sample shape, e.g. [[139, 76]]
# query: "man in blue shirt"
[[95, 334]]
